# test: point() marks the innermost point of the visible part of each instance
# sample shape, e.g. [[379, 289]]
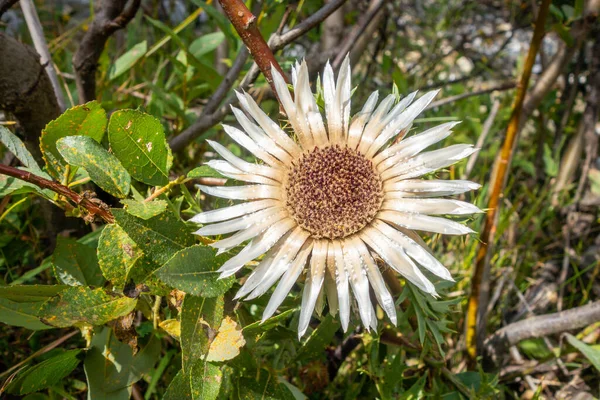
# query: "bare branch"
[[111, 16], [276, 42], [26, 91], [358, 30], [5, 5], [474, 319], [462, 96], [244, 23], [39, 41], [543, 325], [93, 208]]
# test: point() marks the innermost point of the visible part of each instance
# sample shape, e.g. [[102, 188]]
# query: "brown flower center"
[[333, 192]]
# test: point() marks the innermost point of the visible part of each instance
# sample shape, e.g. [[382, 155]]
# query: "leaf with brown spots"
[[88, 119], [138, 140], [80, 305]]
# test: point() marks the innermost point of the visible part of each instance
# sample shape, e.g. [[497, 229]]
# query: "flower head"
[[340, 196]]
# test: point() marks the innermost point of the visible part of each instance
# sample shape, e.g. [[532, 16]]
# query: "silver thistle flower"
[[330, 202]]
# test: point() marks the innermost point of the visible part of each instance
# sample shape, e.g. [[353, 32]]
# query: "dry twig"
[[474, 328]]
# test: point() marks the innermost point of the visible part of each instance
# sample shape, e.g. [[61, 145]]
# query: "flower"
[[331, 202]]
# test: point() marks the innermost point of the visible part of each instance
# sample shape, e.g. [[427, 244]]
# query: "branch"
[[462, 96], [100, 210], [39, 41], [474, 318], [358, 30], [244, 23], [209, 118], [26, 91], [111, 16], [576, 318], [5, 5]]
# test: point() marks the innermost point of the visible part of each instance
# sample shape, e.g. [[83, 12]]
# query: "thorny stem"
[[92, 208], [473, 332]]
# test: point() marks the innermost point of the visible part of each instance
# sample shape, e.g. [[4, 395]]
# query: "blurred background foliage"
[[169, 61]]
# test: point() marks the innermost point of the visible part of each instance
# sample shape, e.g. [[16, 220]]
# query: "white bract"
[[339, 195]]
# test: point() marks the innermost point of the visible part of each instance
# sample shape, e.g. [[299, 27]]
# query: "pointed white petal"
[[329, 282], [283, 93], [401, 122], [425, 223], [385, 299], [228, 170], [413, 249], [261, 270], [313, 284], [260, 137], [341, 280], [288, 280], [268, 125], [412, 146], [431, 206], [397, 259], [252, 231], [256, 248], [358, 122], [240, 137], [284, 258], [427, 188], [237, 224], [305, 103], [243, 192], [333, 120], [244, 166], [428, 162], [340, 110], [358, 281], [317, 128], [226, 213], [374, 125]]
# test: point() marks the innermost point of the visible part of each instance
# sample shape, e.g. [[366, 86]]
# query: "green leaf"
[[104, 169], [80, 305], [204, 172], [550, 165], [117, 254], [127, 60], [138, 141], [159, 237], [318, 339], [21, 314], [179, 388], [75, 264], [592, 354], [16, 146], [200, 318], [218, 17], [144, 210], [416, 390], [205, 379], [270, 323], [45, 374], [206, 43], [10, 185], [87, 119], [111, 368], [194, 271], [266, 387], [30, 293]]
